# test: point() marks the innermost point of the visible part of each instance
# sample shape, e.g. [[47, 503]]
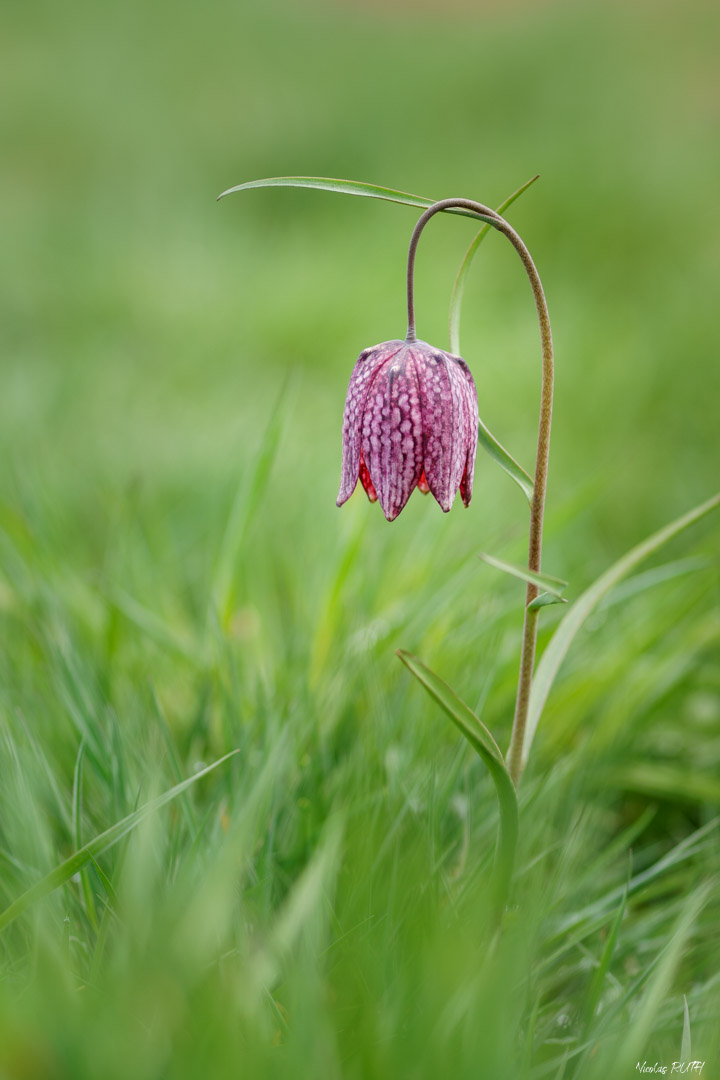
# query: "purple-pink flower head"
[[411, 420]]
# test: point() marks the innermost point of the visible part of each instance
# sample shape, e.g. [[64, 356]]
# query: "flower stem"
[[483, 212], [537, 508]]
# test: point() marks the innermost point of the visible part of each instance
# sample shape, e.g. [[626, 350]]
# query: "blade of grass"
[[529, 1038], [657, 973], [686, 849], [555, 586], [325, 632], [302, 908], [658, 986], [155, 627], [52, 783], [686, 1045], [77, 815], [459, 286], [111, 908], [620, 844], [185, 803], [559, 1075], [105, 882], [658, 575], [245, 505], [584, 606], [93, 848], [596, 983], [663, 780], [483, 743], [604, 1028]]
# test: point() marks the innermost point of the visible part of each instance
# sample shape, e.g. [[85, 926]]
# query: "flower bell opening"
[[411, 420]]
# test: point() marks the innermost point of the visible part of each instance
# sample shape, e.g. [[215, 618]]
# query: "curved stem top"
[[537, 510], [488, 215]]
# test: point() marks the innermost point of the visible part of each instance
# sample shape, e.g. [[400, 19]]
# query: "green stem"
[[537, 507], [490, 217]]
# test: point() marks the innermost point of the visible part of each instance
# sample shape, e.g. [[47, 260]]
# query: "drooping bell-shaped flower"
[[411, 420]]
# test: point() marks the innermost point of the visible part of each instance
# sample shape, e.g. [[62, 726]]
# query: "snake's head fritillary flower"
[[411, 420]]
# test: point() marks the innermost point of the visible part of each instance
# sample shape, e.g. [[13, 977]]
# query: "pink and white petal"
[[470, 428], [352, 419], [463, 422], [366, 367], [392, 433], [441, 402]]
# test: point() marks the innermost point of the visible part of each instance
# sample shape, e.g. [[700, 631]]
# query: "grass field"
[[176, 583]]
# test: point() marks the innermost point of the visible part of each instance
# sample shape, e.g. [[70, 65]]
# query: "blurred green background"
[[174, 572]]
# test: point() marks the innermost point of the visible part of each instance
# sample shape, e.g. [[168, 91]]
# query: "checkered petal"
[[365, 371], [468, 434], [392, 443], [442, 396], [411, 420]]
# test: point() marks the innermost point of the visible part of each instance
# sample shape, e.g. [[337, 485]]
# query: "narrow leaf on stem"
[[350, 187], [545, 599], [505, 460], [555, 586], [483, 743]]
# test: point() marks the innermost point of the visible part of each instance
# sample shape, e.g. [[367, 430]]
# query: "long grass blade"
[[303, 908], [245, 505], [327, 622], [185, 803], [584, 606], [685, 849], [105, 882], [686, 1045], [658, 986], [77, 836], [598, 980], [105, 840], [155, 627]]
